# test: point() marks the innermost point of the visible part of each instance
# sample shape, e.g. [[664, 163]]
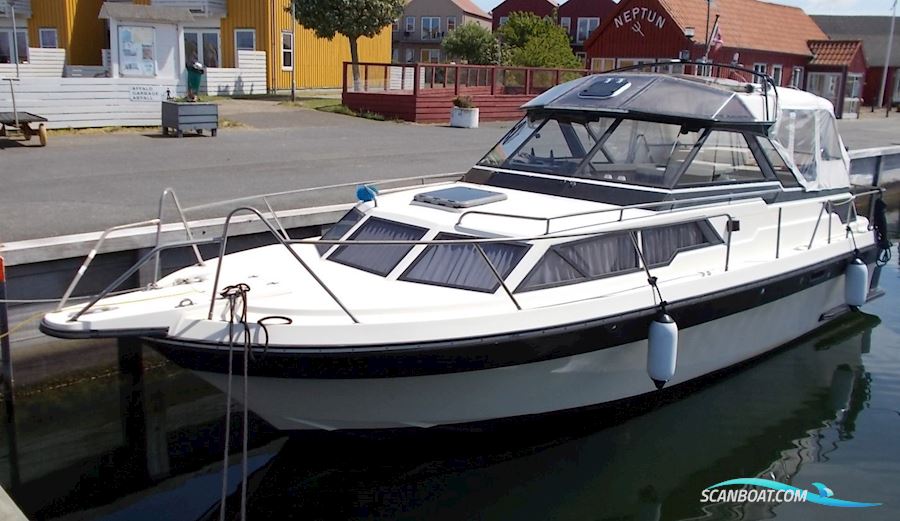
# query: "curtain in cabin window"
[[374, 258], [462, 266]]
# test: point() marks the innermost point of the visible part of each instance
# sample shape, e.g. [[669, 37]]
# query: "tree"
[[471, 42], [531, 41], [352, 18]]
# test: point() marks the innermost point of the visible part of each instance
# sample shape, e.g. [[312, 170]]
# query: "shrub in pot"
[[464, 113]]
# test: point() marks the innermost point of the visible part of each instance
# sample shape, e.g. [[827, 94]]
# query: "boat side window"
[[462, 266], [558, 147], [511, 142], [583, 260], [378, 258], [660, 245], [725, 157], [784, 173], [339, 229]]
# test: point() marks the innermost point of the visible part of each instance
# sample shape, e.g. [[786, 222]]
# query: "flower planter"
[[463, 118], [197, 117]]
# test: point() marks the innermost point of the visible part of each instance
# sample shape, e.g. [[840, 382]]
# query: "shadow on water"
[[134, 448]]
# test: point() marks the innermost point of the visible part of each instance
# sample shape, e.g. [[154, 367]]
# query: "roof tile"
[[834, 52]]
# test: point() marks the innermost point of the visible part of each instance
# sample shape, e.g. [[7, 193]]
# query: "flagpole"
[[887, 58], [709, 38], [708, 8]]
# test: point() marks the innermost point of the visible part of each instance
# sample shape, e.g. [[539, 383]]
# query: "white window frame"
[[410, 26], [760, 68], [451, 21], [848, 86], [588, 22], [503, 20], [284, 50], [238, 49], [200, 32], [566, 21], [431, 30], [48, 30], [778, 74], [395, 55], [409, 54], [797, 77], [7, 32], [395, 25]]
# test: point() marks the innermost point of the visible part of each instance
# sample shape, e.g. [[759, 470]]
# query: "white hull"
[[577, 381]]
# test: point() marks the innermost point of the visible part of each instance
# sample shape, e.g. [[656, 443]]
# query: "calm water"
[[824, 409]]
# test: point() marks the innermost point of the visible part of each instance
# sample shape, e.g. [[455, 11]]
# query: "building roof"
[[149, 13], [872, 30], [743, 24], [469, 7], [550, 2], [836, 53]]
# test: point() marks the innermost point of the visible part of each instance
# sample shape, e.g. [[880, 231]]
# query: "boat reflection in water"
[[769, 419]]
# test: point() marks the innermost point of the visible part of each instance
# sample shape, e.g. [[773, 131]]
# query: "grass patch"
[[99, 130], [347, 111], [310, 103], [230, 123]]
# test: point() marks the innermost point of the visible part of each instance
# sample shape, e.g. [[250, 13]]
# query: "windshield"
[[610, 149]]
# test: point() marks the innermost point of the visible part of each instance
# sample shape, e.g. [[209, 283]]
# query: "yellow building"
[[217, 31]]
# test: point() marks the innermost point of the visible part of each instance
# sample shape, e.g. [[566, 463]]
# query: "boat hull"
[[587, 379]]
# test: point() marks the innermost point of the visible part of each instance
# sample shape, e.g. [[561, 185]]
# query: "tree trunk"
[[354, 57]]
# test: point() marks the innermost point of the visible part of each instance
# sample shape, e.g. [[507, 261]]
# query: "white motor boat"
[[634, 230]]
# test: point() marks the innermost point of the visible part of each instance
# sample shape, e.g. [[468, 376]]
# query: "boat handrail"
[[288, 243], [222, 241], [730, 198], [182, 215]]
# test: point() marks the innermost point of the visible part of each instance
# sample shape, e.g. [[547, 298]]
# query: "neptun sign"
[[640, 18]]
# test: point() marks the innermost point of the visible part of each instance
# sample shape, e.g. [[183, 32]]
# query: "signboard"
[[137, 51], [147, 93], [640, 19]]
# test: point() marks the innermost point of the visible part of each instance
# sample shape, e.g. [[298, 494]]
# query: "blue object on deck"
[[366, 193]]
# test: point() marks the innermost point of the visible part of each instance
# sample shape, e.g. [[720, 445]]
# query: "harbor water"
[[144, 442]]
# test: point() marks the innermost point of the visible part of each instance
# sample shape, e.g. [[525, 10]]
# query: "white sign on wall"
[[639, 19], [147, 93]]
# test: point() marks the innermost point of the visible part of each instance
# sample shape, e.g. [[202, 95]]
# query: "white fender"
[[662, 349], [856, 283]]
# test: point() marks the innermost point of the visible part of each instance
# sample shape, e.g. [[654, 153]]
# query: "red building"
[[873, 31], [541, 8], [583, 17], [766, 37], [837, 72]]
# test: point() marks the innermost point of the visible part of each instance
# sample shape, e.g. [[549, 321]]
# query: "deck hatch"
[[459, 197]]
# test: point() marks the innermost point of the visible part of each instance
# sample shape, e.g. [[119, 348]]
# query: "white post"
[[887, 58], [15, 31]]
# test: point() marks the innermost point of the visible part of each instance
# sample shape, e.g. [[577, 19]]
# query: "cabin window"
[[510, 142], [556, 147], [339, 229], [377, 258], [660, 245], [782, 171], [583, 260], [462, 266], [724, 157]]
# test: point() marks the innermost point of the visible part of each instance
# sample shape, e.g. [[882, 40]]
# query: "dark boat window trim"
[[323, 249], [524, 248]]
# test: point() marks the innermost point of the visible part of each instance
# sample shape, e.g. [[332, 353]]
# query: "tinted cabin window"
[[557, 148], [660, 245], [339, 229], [778, 165], [582, 260], [724, 157], [376, 258], [462, 266]]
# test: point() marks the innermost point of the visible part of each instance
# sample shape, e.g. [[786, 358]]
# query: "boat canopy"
[[806, 133], [658, 96]]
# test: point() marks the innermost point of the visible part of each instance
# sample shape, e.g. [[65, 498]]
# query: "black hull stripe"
[[473, 354]]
